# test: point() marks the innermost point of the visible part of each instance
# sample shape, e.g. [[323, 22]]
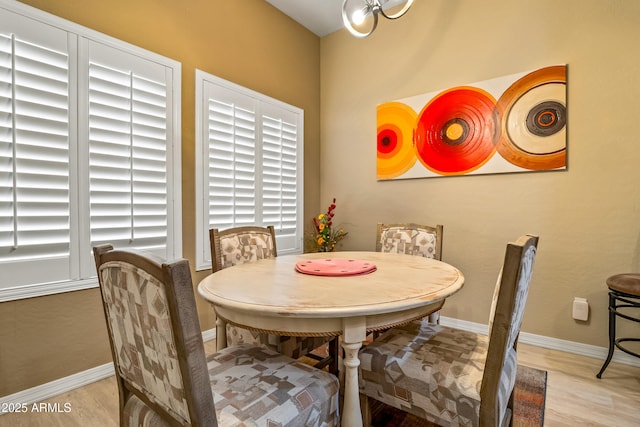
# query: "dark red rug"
[[529, 401]]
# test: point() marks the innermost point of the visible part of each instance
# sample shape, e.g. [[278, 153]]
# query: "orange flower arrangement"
[[323, 236]]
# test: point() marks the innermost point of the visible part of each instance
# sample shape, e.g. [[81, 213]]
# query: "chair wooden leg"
[[334, 353], [331, 361], [221, 334], [508, 418], [365, 408], [508, 421]]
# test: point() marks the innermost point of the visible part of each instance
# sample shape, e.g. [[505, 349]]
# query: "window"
[[249, 164], [89, 152]]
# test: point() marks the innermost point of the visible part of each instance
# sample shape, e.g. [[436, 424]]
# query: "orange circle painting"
[[533, 117], [456, 131], [395, 139]]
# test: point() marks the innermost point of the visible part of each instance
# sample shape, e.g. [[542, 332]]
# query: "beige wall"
[[586, 217], [248, 42]]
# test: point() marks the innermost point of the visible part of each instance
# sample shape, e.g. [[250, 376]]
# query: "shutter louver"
[[34, 151], [127, 159], [232, 157], [279, 174]]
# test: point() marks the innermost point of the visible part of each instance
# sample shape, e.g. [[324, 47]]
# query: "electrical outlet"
[[580, 309]]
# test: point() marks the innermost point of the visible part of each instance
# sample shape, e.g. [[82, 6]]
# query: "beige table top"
[[274, 287]]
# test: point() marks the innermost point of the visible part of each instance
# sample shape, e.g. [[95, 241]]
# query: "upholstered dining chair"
[[412, 239], [449, 376], [163, 375], [238, 245]]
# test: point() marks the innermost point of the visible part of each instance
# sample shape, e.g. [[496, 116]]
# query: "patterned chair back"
[[238, 245], [155, 336], [507, 310], [235, 246], [410, 239]]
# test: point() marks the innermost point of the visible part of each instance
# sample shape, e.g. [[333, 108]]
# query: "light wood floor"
[[575, 397]]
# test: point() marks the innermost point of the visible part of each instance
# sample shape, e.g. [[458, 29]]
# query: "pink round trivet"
[[335, 267]]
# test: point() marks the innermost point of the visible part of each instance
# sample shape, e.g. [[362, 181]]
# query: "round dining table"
[[330, 294]]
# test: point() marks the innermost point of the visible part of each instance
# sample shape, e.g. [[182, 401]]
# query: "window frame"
[[289, 244], [82, 269]]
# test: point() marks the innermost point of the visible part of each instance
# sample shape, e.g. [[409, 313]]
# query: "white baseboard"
[[547, 342], [209, 334], [54, 388]]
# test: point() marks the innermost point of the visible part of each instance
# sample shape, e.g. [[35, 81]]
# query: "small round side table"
[[624, 292]]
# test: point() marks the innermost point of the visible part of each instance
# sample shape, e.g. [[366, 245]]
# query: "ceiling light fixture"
[[360, 17]]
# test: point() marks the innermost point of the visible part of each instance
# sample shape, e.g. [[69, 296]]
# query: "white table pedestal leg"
[[351, 415], [354, 334]]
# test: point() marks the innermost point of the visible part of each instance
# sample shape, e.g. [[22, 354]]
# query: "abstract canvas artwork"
[[516, 123]]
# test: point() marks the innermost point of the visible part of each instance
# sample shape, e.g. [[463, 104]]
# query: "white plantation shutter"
[[249, 167], [34, 154], [89, 152], [231, 141], [35, 145], [280, 170], [127, 159]]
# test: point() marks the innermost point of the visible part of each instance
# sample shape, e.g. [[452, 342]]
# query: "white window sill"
[[30, 291]]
